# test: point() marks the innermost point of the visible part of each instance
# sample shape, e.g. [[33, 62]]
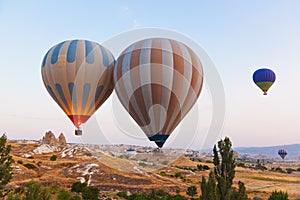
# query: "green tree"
[[204, 189], [5, 165], [77, 187], [35, 191], [278, 195], [209, 188], [64, 195], [219, 184], [241, 193], [192, 191], [224, 168], [90, 193]]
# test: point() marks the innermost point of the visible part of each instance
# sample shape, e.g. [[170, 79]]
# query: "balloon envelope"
[[158, 80], [282, 153], [78, 76], [264, 79]]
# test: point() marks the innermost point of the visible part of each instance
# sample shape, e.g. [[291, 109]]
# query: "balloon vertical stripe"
[[86, 92], [106, 60], [97, 97], [55, 53], [53, 95], [45, 58], [98, 92], [61, 95], [71, 55], [72, 91], [89, 54]]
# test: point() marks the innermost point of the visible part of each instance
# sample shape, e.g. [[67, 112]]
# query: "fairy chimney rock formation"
[[50, 139], [62, 140]]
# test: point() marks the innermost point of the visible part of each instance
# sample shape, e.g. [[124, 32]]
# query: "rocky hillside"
[[76, 162], [53, 161]]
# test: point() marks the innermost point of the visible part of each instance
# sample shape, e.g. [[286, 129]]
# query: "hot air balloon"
[[282, 153], [158, 80], [78, 74], [264, 79]]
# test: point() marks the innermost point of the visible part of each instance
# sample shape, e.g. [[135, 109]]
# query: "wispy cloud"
[[125, 11], [136, 24]]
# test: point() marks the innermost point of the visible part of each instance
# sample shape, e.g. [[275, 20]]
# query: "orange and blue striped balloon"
[[78, 74]]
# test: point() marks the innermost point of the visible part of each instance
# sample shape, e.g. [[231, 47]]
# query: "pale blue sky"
[[239, 36]]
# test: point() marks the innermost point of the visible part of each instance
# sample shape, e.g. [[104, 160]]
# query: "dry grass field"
[[138, 173]]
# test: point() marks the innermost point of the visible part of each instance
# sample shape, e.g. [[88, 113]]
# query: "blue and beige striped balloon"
[[78, 74]]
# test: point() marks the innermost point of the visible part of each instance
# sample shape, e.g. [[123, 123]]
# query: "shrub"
[[191, 191], [13, 196], [165, 162], [177, 174], [63, 195], [202, 167], [20, 162], [90, 192], [279, 169], [257, 198], [163, 173], [54, 189], [142, 164], [19, 190], [261, 167], [122, 194], [160, 193], [199, 167], [240, 164], [29, 166], [278, 195], [53, 157], [289, 170], [205, 167], [35, 191], [77, 187], [75, 198]]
